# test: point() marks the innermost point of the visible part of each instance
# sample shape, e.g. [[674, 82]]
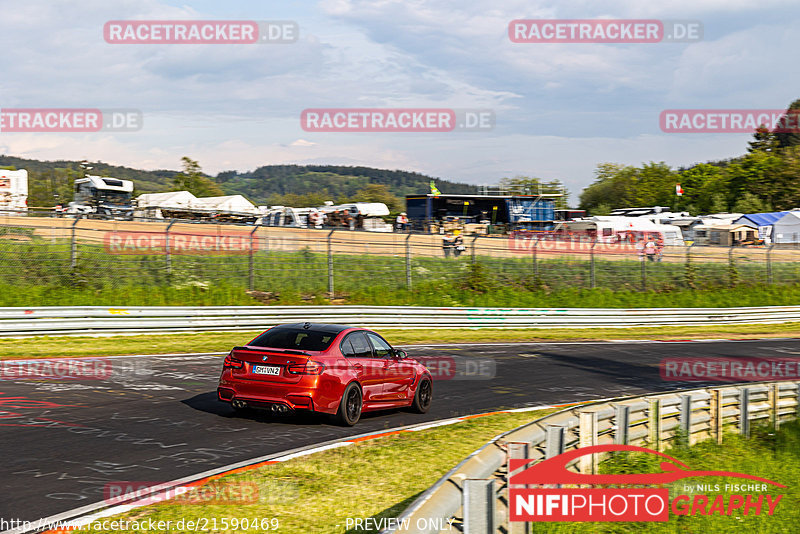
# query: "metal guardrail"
[[156, 319], [650, 420]]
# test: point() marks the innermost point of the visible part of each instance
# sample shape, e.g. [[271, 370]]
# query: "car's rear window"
[[294, 338]]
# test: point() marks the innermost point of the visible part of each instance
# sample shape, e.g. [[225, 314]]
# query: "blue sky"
[[560, 108]]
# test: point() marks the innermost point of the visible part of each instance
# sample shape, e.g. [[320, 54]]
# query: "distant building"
[[536, 212]]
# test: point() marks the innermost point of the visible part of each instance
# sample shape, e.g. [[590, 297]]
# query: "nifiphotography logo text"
[[648, 501]]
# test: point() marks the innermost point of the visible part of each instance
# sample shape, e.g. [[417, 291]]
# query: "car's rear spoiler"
[[267, 349]]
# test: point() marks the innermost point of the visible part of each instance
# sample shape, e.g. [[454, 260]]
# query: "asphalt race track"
[[156, 418]]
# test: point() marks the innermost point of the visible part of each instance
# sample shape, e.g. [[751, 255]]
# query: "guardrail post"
[[167, 247], [587, 437], [769, 264], [251, 281], [797, 398], [773, 396], [408, 261], [715, 408], [73, 253], [591, 263], [330, 264], [654, 416], [516, 450], [744, 412], [686, 418], [554, 444], [623, 422], [479, 506]]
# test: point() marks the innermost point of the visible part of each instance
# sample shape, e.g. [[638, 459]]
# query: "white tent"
[[150, 204], [231, 203], [787, 228]]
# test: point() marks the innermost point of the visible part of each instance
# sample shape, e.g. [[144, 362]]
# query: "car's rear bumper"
[[283, 398]]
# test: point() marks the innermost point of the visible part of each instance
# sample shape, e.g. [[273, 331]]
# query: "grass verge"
[[66, 346], [371, 479]]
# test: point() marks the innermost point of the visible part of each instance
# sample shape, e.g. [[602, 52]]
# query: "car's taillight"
[[308, 368], [232, 363]]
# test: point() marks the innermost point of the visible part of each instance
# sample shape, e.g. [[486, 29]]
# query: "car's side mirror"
[[400, 354]]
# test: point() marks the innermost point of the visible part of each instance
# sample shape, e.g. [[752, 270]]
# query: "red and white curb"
[[81, 517]]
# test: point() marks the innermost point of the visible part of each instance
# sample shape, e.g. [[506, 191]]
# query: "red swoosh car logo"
[[554, 470]]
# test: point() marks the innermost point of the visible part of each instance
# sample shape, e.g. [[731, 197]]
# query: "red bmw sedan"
[[325, 368]]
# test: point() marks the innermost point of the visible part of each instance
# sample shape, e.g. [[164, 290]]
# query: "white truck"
[[102, 196], [13, 192]]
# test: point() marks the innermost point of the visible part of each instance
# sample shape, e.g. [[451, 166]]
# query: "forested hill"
[[338, 181], [270, 184]]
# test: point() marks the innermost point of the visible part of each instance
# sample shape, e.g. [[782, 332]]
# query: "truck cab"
[[103, 197]]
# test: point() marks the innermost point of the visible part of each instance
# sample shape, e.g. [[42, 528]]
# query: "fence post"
[[689, 270], [587, 437], [623, 422], [167, 247], [733, 276], [73, 253], [479, 506], [535, 260], [252, 275], [330, 264], [769, 263], [644, 273], [474, 241], [408, 261], [591, 259], [744, 412]]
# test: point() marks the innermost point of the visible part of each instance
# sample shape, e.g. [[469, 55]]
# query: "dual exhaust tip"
[[274, 408]]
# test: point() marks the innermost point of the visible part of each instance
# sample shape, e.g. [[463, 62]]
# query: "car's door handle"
[[358, 366]]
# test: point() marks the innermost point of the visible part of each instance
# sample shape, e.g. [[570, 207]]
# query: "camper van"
[[13, 192], [619, 229]]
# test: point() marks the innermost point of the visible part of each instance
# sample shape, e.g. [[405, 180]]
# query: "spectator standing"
[[458, 245], [650, 249], [640, 249], [447, 244], [401, 222]]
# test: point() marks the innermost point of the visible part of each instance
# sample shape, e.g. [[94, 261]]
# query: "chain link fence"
[[95, 253]]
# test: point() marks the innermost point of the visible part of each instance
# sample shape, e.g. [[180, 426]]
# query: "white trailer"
[[615, 229], [13, 191]]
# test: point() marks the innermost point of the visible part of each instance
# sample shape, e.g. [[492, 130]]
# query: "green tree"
[[763, 140], [750, 203], [718, 204], [786, 131], [193, 180], [377, 193], [612, 186], [531, 186]]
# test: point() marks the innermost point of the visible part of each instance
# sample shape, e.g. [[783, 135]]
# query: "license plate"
[[266, 370]]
